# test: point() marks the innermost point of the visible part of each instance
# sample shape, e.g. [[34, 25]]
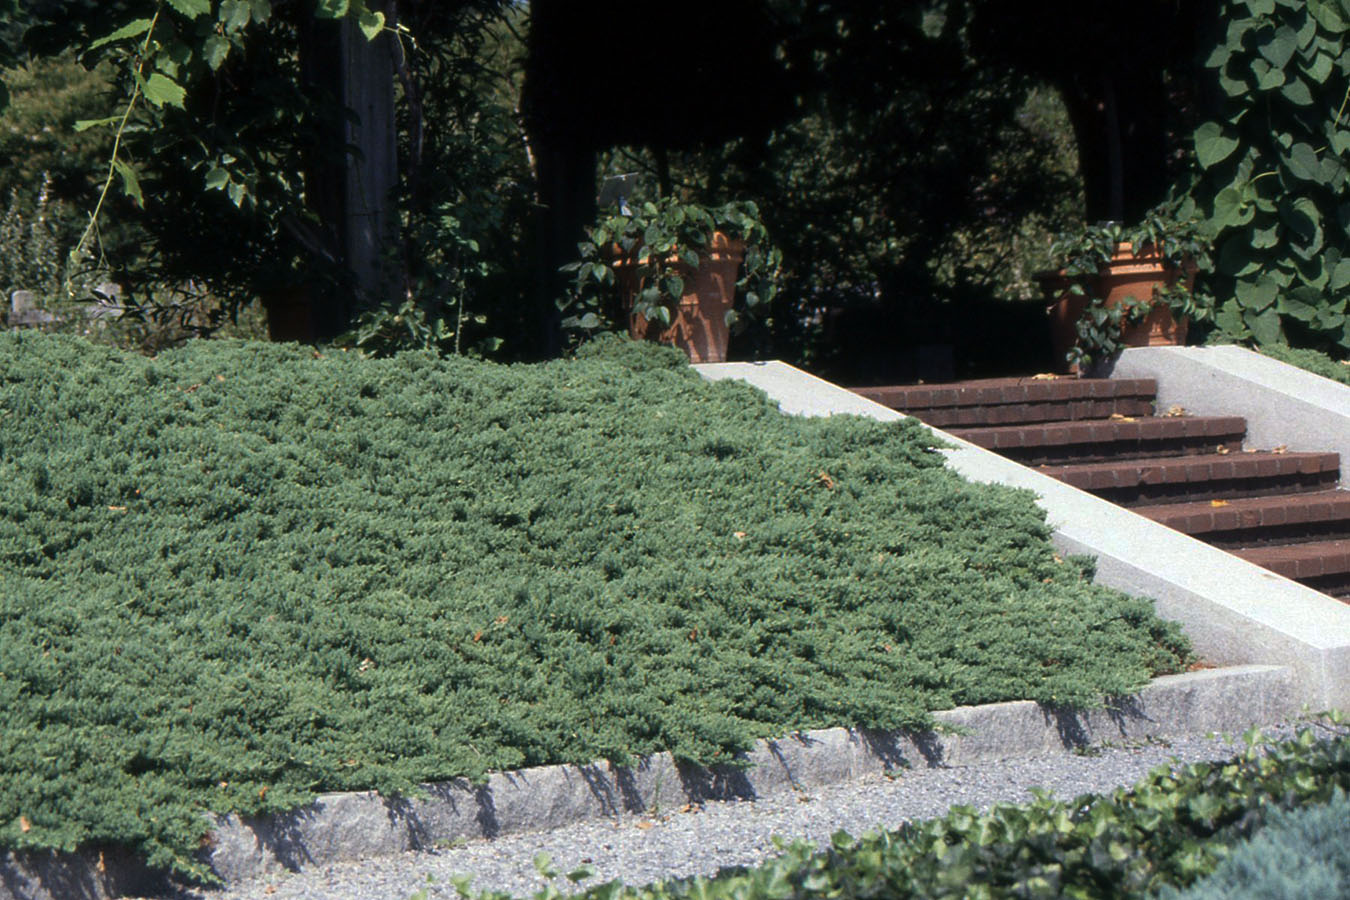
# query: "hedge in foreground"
[[238, 574], [1174, 827], [1302, 853]]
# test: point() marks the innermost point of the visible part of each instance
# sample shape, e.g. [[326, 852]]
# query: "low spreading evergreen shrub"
[[1173, 828], [1312, 360], [1302, 854], [237, 574]]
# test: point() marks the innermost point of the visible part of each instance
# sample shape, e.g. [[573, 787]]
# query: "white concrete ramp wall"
[[1234, 612]]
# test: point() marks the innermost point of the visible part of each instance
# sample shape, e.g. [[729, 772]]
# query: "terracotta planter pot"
[[1125, 276], [699, 322]]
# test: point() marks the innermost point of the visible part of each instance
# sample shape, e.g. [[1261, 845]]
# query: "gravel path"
[[680, 842]]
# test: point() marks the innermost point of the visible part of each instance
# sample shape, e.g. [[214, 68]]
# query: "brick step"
[[1323, 565], [1105, 439], [1282, 519], [1143, 482], [1006, 401]]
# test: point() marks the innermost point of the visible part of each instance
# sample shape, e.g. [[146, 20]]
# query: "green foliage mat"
[[240, 573], [1312, 360]]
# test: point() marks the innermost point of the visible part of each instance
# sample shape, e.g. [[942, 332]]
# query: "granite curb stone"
[[347, 826]]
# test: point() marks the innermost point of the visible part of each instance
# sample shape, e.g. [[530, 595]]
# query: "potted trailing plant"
[[671, 271], [1122, 287]]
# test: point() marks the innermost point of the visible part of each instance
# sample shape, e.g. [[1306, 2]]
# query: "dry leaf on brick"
[[1283, 448], [1221, 450], [1175, 411], [1218, 503], [1118, 417], [1044, 376]]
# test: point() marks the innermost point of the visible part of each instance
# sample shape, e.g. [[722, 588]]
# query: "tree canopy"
[[405, 172]]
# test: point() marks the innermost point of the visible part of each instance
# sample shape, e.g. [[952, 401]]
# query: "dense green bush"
[[1172, 828], [1314, 361], [236, 574], [1301, 853], [1273, 169]]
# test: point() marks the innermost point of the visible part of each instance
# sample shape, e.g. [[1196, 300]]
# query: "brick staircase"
[[1277, 509]]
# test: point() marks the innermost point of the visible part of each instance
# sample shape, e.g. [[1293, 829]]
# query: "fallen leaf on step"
[[1221, 449], [1044, 376], [1283, 448], [1218, 503], [1175, 411], [1118, 417]]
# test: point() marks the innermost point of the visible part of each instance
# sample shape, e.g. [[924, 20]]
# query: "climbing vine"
[[1273, 169]]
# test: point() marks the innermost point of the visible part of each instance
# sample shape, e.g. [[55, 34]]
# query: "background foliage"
[[1274, 172], [239, 573]]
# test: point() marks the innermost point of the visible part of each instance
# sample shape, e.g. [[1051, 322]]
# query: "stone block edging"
[[346, 826]]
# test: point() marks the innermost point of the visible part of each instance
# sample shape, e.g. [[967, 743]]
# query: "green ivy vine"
[[1273, 170], [162, 48]]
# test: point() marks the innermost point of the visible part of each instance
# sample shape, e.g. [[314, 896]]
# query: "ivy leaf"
[[1292, 305], [1266, 237], [215, 48], [1268, 78], [1264, 325], [217, 178], [1212, 146], [86, 124], [1326, 16], [1302, 162], [1233, 87], [1230, 209], [1297, 93], [262, 10], [1329, 319], [159, 89], [234, 14], [131, 185], [1260, 7], [191, 8], [331, 9], [370, 23], [1340, 276], [1218, 56], [131, 29], [1281, 47], [1255, 295], [1229, 320], [1303, 217], [1319, 68]]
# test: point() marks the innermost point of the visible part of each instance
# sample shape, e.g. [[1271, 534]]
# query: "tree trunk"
[[369, 226], [351, 177]]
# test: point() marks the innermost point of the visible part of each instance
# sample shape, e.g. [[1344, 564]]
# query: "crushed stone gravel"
[[672, 843]]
